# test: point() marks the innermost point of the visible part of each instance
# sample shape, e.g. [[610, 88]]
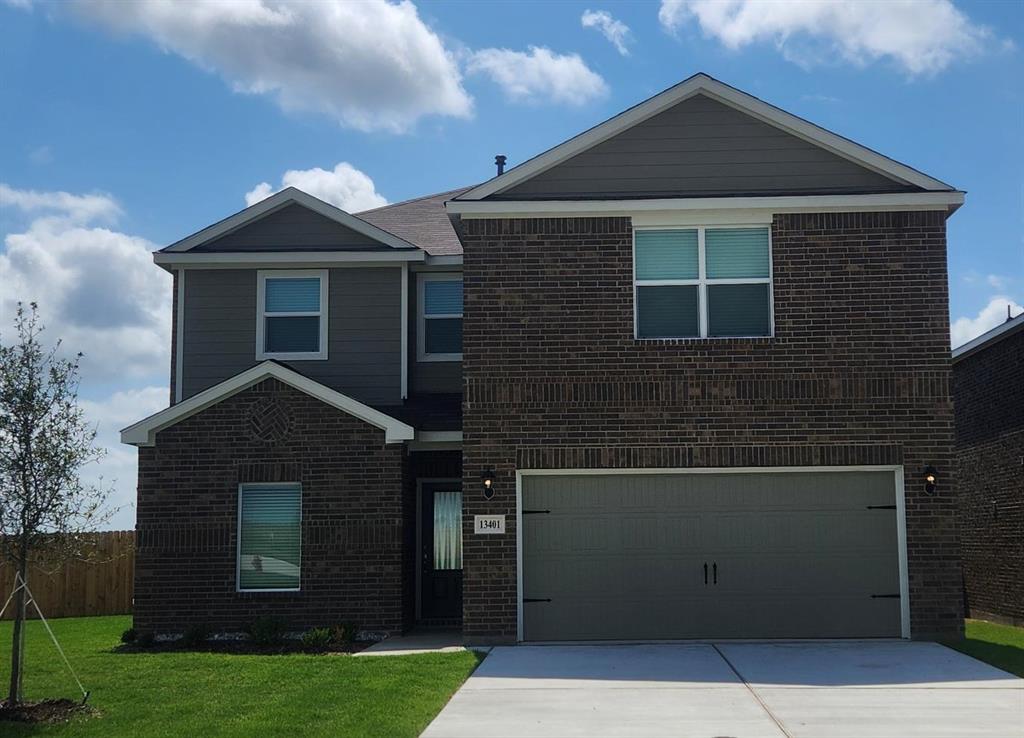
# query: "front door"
[[441, 550]]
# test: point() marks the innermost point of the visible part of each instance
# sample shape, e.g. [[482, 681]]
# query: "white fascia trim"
[[754, 207], [144, 432], [255, 259], [440, 261], [703, 84], [989, 336], [282, 199]]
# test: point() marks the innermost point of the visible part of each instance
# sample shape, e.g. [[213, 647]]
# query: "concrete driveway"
[[848, 689]]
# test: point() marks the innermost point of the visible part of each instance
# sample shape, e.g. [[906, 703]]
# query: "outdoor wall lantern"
[[488, 481], [930, 479]]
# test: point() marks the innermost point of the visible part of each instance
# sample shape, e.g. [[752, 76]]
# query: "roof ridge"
[[414, 199]]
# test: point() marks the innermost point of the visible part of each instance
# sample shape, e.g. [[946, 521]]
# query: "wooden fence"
[[99, 587]]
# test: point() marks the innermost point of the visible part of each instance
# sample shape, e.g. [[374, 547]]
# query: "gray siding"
[[428, 376], [364, 331], [292, 228], [701, 147]]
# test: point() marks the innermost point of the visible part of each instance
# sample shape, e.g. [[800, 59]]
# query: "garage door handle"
[[714, 570], [705, 573], [536, 599]]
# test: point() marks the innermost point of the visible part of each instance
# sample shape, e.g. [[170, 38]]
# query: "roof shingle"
[[422, 222]]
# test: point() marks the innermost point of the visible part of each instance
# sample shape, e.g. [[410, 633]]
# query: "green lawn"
[[201, 695], [999, 645]]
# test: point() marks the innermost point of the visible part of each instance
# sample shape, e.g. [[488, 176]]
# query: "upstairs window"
[[703, 282], [291, 321], [439, 337]]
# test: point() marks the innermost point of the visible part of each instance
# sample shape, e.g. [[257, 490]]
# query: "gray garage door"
[[662, 556]]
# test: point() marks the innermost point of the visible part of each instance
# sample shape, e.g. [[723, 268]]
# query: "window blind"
[[736, 253], [442, 297], [269, 550], [292, 295], [667, 255]]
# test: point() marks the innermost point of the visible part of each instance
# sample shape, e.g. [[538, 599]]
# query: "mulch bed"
[[240, 647], [44, 711]]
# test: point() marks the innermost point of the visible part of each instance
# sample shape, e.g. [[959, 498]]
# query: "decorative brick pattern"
[[857, 373], [988, 389], [352, 509]]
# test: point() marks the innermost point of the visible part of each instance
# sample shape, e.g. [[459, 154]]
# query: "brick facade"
[[988, 390], [352, 512], [857, 373]]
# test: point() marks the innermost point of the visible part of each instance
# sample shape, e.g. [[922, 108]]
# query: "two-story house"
[[684, 375]]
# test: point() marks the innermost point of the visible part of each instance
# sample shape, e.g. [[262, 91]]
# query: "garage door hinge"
[[881, 507], [885, 597], [536, 512], [536, 599]]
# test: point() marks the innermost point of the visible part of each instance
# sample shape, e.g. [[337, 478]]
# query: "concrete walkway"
[[865, 689], [427, 641]]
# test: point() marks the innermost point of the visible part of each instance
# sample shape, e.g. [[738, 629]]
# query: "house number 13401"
[[488, 524]]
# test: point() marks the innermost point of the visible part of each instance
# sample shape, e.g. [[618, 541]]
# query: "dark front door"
[[441, 550]]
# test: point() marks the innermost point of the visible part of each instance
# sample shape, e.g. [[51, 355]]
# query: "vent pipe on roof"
[[499, 160]]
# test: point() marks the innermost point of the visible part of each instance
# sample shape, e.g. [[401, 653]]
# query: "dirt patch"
[[44, 711], [241, 647]]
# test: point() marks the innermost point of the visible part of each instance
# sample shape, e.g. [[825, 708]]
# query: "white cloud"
[[61, 205], [118, 470], [920, 36], [964, 329], [97, 288], [997, 281], [371, 65], [41, 155], [344, 186], [539, 75], [611, 28]]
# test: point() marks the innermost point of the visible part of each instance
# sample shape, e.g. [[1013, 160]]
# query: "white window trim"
[[702, 283], [238, 537], [421, 317], [261, 315]]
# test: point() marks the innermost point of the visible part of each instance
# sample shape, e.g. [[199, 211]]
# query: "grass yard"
[[210, 694], [999, 645]]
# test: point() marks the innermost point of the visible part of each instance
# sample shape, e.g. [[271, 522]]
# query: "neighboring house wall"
[[988, 389], [701, 147], [364, 331], [428, 376], [292, 227], [352, 510], [858, 374]]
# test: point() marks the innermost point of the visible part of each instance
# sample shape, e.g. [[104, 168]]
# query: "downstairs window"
[[269, 537]]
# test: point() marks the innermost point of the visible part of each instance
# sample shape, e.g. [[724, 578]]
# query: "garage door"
[[720, 555]]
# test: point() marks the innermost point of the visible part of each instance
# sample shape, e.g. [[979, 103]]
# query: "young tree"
[[44, 442]]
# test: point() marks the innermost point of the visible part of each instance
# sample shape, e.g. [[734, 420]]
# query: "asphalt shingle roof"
[[422, 222]]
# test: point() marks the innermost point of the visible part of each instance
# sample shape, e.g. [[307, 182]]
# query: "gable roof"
[[421, 221], [702, 84], [278, 201], [144, 432]]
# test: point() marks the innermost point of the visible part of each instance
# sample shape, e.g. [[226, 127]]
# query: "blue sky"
[[154, 123]]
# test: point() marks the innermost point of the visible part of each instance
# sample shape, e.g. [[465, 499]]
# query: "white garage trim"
[[901, 515]]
